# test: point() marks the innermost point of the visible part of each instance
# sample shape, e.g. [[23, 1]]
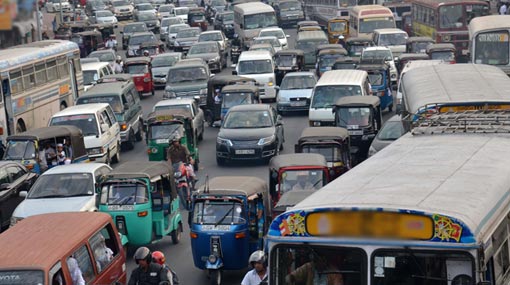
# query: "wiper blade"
[[224, 217]]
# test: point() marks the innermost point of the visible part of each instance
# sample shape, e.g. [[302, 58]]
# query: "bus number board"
[[462, 108]]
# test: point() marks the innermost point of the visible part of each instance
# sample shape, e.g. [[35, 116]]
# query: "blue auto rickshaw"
[[238, 94], [229, 218], [379, 77]]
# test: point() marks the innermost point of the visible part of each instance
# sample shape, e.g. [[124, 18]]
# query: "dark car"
[[151, 20], [224, 21], [186, 38], [93, 6], [131, 28], [14, 178], [138, 39], [250, 132], [289, 12], [392, 130], [211, 53]]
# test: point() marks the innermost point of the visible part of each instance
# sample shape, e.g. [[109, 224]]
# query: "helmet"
[[142, 253], [119, 58], [158, 257], [257, 256], [146, 52]]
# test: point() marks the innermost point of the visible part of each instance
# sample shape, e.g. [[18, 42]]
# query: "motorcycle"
[[235, 52], [184, 182]]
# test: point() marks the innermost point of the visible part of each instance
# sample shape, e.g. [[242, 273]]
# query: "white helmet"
[[257, 256]]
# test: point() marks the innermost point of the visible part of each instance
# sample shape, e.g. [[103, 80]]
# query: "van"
[[188, 79], [394, 39], [100, 129], [93, 71], [308, 41], [121, 94], [48, 248], [250, 18], [332, 86], [258, 65]]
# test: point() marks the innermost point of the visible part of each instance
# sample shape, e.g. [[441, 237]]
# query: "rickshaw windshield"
[[326, 96], [332, 153], [62, 186], [165, 131], [113, 100], [138, 69], [301, 180], [87, 123], [124, 193], [353, 118], [298, 82], [187, 74], [236, 98], [286, 60], [17, 150], [218, 212], [443, 55], [329, 60], [356, 49], [375, 78], [419, 47], [337, 26]]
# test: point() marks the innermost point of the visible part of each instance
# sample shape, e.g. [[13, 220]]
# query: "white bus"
[[250, 18], [364, 19], [427, 209], [489, 41], [37, 80]]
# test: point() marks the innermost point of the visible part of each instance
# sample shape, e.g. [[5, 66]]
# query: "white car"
[[172, 33], [214, 36], [122, 9], [165, 25], [268, 40], [182, 12], [57, 5], [190, 106], [104, 17], [276, 32], [165, 11], [65, 188], [382, 53], [394, 39]]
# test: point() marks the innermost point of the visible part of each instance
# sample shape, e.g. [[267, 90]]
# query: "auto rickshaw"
[[326, 58], [346, 63], [27, 147], [140, 69], [238, 94], [418, 44], [143, 201], [444, 52], [362, 117], [404, 58], [228, 221], [212, 110], [196, 18], [106, 30], [379, 77], [355, 46], [286, 171], [164, 125], [331, 142], [302, 24], [309, 28], [337, 27], [288, 60], [88, 42]]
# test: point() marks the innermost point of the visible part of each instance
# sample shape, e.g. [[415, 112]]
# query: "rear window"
[[25, 277], [86, 122], [113, 100]]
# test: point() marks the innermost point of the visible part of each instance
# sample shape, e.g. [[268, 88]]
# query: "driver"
[[303, 182]]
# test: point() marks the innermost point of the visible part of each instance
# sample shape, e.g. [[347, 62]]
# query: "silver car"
[[165, 25], [390, 132], [104, 17]]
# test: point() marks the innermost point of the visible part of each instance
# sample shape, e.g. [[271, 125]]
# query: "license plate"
[[298, 103], [355, 133], [245, 151]]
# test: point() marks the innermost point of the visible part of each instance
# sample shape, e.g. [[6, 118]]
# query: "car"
[[14, 178], [165, 11], [217, 36], [268, 40], [165, 26], [122, 9], [211, 53], [188, 79], [224, 21], [107, 55], [267, 47], [131, 28], [160, 65], [104, 17], [275, 32], [379, 53], [144, 8], [190, 106], [172, 33], [394, 39], [150, 19], [182, 12], [295, 91], [185, 38], [93, 71], [249, 132], [136, 40], [88, 60], [93, 6], [57, 6], [65, 188], [158, 3], [391, 130]]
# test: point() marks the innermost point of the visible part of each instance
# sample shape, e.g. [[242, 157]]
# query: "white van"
[[93, 71], [100, 129], [258, 65], [250, 18], [394, 39], [333, 85]]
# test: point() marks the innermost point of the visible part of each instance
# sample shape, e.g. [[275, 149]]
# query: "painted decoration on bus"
[[485, 107], [404, 225], [493, 37]]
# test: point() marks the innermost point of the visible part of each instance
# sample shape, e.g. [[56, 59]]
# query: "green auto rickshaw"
[[143, 202], [163, 125]]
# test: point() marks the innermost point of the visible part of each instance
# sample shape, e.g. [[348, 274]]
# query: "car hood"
[[163, 70], [205, 56], [118, 8], [246, 134], [295, 93], [30, 207], [187, 86], [192, 39], [106, 19]]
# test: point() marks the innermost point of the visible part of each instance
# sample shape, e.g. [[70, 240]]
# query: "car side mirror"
[[4, 186], [104, 127], [234, 72], [287, 36], [23, 194]]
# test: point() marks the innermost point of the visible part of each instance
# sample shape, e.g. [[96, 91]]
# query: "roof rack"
[[472, 121]]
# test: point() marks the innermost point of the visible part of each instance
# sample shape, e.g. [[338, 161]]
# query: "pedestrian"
[[503, 9], [61, 154], [159, 258], [259, 272], [147, 272]]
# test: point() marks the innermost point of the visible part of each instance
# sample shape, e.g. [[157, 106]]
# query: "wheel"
[[130, 144], [220, 161], [116, 158], [209, 119], [215, 277], [176, 234], [139, 134], [201, 136], [390, 108]]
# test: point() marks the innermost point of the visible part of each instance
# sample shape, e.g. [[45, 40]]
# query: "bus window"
[[492, 48]]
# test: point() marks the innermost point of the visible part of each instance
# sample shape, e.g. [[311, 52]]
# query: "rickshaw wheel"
[[176, 234], [390, 108], [215, 276], [139, 135], [116, 158]]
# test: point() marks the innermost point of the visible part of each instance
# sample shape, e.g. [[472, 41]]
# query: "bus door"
[[74, 82], [6, 125]]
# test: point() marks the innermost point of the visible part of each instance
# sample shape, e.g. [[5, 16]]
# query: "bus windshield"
[[218, 212], [326, 96], [17, 150], [87, 123], [459, 15], [371, 24], [124, 193], [260, 21], [492, 48]]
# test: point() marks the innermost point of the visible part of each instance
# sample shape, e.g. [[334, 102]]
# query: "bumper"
[[214, 65], [292, 106], [124, 15], [267, 92], [245, 152], [321, 123], [101, 158], [159, 81]]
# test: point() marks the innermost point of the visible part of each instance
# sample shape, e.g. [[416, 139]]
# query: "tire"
[[139, 135], [390, 108], [116, 158], [130, 144], [196, 164], [215, 277], [220, 161], [201, 136], [176, 234]]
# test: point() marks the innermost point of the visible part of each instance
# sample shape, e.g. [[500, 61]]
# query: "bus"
[[398, 8], [324, 10], [363, 20], [489, 41], [37, 80], [250, 18], [446, 21], [427, 209]]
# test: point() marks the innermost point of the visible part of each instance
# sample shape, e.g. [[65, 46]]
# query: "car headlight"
[[267, 140], [176, 43], [270, 83], [15, 220], [315, 123], [203, 91], [169, 94], [283, 99], [220, 140], [371, 151], [95, 151]]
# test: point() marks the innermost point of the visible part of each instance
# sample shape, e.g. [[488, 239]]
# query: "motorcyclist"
[[159, 258], [111, 43], [147, 272], [118, 65], [259, 273]]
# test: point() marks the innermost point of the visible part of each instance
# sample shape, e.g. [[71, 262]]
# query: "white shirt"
[[111, 43], [502, 10], [252, 278]]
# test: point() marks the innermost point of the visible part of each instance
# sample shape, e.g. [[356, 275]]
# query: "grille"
[[187, 93], [300, 99], [124, 10], [245, 143], [160, 75]]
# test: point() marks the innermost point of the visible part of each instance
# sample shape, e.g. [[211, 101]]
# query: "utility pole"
[[39, 20]]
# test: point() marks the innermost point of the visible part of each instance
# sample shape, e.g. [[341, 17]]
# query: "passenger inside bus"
[[322, 269]]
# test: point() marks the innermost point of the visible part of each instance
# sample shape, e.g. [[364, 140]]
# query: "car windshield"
[[492, 48], [391, 131], [443, 55], [146, 17], [187, 74], [165, 8], [165, 131], [273, 41], [290, 5], [167, 22], [138, 69], [298, 82], [260, 21], [268, 48], [419, 47], [396, 39], [369, 25], [113, 100], [167, 60], [144, 7], [247, 119], [375, 78], [87, 123], [104, 14], [18, 150], [176, 28], [228, 17], [199, 49], [103, 56], [181, 11], [90, 76], [279, 34], [62, 186], [232, 99], [135, 28], [137, 40], [218, 212], [353, 118], [332, 153], [188, 33], [255, 66], [378, 54], [210, 37], [124, 193], [326, 96], [120, 3], [301, 179]]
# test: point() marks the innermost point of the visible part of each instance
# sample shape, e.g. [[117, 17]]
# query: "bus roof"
[[253, 8], [371, 11], [438, 3], [21, 54], [447, 83], [488, 23]]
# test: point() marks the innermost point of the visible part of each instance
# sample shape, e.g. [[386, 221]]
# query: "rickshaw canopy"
[[358, 101], [224, 80], [359, 41], [147, 169], [296, 52], [297, 159], [235, 185], [440, 47], [324, 133], [413, 56], [339, 51], [329, 47]]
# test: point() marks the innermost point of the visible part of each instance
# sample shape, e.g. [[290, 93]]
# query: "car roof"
[[211, 32], [376, 48], [75, 168], [173, 102], [251, 107], [255, 54], [93, 65], [81, 109], [265, 38], [299, 73], [389, 31], [271, 29]]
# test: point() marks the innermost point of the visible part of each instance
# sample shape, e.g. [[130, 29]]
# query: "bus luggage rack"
[[476, 121]]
